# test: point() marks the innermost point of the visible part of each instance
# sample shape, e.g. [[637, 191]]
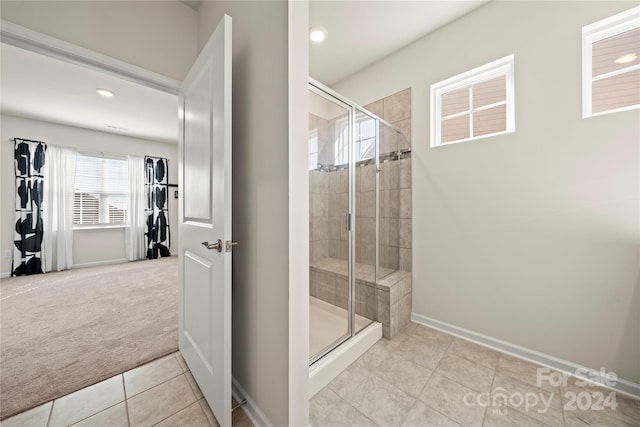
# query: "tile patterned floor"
[[160, 393], [421, 379]]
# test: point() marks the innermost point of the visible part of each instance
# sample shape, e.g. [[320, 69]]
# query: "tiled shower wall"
[[395, 181], [329, 194]]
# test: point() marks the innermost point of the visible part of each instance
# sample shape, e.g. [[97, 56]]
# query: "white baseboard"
[[97, 263], [250, 408], [623, 386], [5, 275]]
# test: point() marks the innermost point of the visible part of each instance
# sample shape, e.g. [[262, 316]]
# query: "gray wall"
[[530, 237], [261, 203], [85, 249]]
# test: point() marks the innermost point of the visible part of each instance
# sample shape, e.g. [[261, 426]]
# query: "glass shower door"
[[330, 132]]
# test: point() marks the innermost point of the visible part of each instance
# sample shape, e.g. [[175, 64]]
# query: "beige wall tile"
[[397, 106]]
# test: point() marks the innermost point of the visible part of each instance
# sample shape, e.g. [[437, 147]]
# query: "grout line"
[[484, 416], [126, 401], [50, 412], [159, 384], [197, 402]]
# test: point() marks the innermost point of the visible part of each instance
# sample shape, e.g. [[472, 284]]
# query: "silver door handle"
[[229, 245], [217, 245]]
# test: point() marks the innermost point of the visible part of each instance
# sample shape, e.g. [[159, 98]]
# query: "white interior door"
[[205, 221]]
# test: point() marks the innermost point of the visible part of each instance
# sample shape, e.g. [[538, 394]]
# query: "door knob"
[[217, 245], [229, 244]]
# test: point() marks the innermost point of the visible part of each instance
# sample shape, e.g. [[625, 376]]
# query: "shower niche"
[[356, 200]]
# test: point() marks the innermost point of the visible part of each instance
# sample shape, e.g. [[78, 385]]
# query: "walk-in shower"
[[353, 218]]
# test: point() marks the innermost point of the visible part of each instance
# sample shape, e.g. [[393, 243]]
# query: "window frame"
[[592, 33], [498, 68], [343, 124], [103, 226]]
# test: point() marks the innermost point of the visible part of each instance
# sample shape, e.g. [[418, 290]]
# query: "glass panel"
[[455, 129], [490, 92], [615, 92], [491, 120], [615, 53], [328, 142], [364, 227]]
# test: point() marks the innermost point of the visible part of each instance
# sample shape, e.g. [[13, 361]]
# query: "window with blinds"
[[611, 64], [101, 191], [472, 105]]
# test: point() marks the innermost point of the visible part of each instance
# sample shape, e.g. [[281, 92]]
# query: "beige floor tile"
[[626, 409], [523, 371], [429, 335], [208, 412], [150, 375], [476, 353], [192, 416], [509, 418], [116, 416], [240, 419], [328, 409], [35, 417], [517, 392], [181, 361], [381, 402], [467, 373], [349, 380], [421, 415], [405, 375], [322, 404], [194, 386], [420, 352], [86, 402], [448, 398], [160, 402], [595, 419], [372, 358]]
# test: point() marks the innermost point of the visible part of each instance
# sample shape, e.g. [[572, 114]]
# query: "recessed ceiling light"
[[626, 58], [318, 34], [105, 92]]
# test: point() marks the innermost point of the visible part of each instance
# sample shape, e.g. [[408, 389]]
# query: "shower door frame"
[[352, 108], [327, 94]]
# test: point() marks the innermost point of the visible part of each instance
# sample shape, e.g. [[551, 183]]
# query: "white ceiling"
[[361, 32], [43, 88]]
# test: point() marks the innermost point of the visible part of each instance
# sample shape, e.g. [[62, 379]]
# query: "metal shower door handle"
[[217, 245]]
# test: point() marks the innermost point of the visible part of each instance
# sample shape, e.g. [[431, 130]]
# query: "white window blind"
[[474, 104], [611, 64], [101, 191]]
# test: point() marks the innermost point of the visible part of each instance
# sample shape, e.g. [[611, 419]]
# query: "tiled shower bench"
[[328, 282]]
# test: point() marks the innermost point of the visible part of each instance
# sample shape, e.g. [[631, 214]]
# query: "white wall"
[[160, 36], [88, 246], [274, 375], [531, 237]]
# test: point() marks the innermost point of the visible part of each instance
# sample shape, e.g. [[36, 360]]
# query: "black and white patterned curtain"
[[29, 161], [157, 207]]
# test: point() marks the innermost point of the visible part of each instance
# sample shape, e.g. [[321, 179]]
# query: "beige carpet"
[[64, 331]]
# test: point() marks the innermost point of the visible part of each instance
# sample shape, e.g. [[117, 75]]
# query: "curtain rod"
[[27, 140]]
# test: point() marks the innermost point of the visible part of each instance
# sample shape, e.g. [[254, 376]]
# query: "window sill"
[[101, 228]]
